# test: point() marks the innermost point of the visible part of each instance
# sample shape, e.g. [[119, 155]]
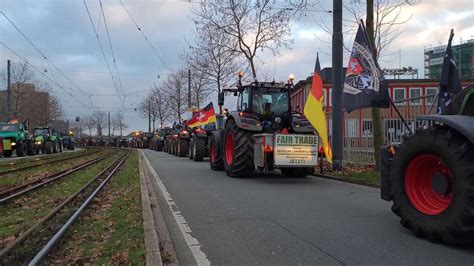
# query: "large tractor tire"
[[238, 151], [7, 153], [199, 149], [216, 161], [159, 146], [55, 147], [191, 148], [21, 149], [60, 147], [297, 172], [433, 185], [30, 150], [182, 149], [49, 147]]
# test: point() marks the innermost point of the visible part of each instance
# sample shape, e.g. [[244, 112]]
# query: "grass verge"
[[358, 174], [110, 231]]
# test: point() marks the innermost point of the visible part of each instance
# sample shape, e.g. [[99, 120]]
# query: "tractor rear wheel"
[[199, 149], [55, 147], [21, 149], [433, 185], [159, 146], [216, 161], [191, 148], [30, 150], [49, 147], [238, 151], [182, 147], [297, 172]]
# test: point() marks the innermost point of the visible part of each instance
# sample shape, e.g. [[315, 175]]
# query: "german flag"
[[314, 110], [203, 117]]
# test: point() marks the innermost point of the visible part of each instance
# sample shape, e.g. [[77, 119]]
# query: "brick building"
[[27, 103]]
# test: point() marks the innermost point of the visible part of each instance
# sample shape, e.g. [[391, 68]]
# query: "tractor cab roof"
[[266, 84]]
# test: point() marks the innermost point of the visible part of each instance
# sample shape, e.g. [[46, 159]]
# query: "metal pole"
[[9, 92], [109, 126], [337, 85], [189, 88], [149, 116]]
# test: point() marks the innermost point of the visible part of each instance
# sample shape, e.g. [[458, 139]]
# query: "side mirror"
[[220, 99]]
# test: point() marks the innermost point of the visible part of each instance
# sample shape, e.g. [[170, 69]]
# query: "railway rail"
[[42, 162], [22, 189], [101, 179]]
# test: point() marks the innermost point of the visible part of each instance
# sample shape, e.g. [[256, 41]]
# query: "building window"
[[367, 128], [325, 97], [399, 96], [415, 93], [430, 95]]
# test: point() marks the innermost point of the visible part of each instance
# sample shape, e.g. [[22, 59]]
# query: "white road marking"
[[191, 241]]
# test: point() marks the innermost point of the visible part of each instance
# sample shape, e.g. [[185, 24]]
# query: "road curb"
[[335, 178], [152, 248]]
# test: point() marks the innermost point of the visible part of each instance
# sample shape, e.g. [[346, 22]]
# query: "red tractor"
[[430, 175]]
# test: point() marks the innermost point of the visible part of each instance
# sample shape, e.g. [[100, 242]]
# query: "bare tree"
[[251, 26], [100, 119], [387, 22], [118, 123], [147, 109], [89, 122], [213, 62], [175, 88], [20, 73], [161, 103]]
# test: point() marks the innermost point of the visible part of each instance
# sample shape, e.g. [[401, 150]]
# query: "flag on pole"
[[449, 82], [203, 117], [314, 109], [365, 84]]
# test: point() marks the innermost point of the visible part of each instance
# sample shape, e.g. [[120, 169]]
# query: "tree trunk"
[[376, 119], [252, 66]]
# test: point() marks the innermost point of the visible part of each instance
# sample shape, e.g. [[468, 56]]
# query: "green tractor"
[[15, 137], [47, 140], [430, 175]]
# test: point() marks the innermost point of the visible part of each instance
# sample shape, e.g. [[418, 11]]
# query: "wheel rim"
[[213, 153], [419, 177], [229, 148]]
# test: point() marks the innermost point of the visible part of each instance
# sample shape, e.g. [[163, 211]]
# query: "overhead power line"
[[44, 56], [102, 51], [112, 50], [145, 37], [46, 76]]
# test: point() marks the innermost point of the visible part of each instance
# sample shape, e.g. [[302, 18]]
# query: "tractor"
[[67, 140], [157, 142], [263, 133], [46, 140], [430, 175], [199, 142], [15, 136], [178, 140]]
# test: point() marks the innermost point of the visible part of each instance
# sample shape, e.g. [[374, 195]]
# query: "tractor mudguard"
[[243, 122], [385, 166], [461, 123]]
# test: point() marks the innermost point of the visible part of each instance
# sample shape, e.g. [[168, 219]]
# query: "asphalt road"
[[275, 220]]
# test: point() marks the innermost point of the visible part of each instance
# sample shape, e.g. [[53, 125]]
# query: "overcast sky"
[[62, 31]]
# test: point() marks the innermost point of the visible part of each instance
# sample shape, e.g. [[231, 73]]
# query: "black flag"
[[365, 84], [449, 82]]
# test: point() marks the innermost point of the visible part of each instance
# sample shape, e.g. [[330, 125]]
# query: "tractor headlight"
[[13, 143], [38, 142]]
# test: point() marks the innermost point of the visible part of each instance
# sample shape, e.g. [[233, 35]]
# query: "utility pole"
[[9, 92], [189, 88], [337, 85], [149, 116], [109, 126]]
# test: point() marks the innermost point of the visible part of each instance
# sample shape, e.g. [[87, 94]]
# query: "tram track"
[[78, 201]]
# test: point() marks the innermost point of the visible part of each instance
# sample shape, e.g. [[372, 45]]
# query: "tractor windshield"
[[9, 127], [40, 131], [269, 101]]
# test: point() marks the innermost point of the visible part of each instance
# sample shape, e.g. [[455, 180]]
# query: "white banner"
[[296, 150]]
